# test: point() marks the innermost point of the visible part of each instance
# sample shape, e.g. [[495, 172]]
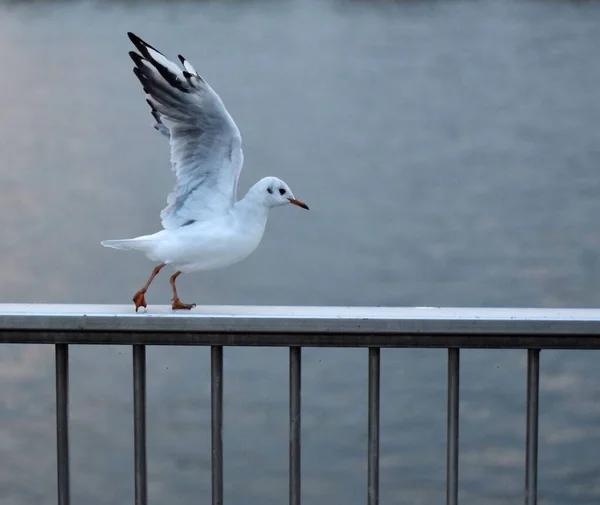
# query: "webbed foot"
[[139, 299], [178, 305]]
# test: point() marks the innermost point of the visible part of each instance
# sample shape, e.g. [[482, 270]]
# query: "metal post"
[[62, 422], [531, 444], [139, 424], [373, 436], [216, 410], [295, 424], [452, 434]]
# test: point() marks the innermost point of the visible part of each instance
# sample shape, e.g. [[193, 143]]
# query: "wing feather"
[[206, 145]]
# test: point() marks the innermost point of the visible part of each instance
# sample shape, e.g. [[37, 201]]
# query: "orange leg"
[[176, 302], [138, 298]]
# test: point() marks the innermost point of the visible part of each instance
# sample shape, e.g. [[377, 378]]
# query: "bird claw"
[[178, 305], [139, 300]]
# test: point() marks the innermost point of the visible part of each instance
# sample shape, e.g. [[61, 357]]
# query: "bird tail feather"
[[130, 244]]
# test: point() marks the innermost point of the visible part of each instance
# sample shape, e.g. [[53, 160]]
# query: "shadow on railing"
[[297, 327]]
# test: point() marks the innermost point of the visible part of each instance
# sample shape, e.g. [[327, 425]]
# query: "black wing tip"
[[142, 47], [141, 44], [137, 59], [183, 62], [137, 42], [143, 79]]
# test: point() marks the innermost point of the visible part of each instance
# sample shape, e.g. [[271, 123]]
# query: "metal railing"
[[297, 327]]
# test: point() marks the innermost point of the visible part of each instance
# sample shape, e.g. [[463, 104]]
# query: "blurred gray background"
[[449, 151]]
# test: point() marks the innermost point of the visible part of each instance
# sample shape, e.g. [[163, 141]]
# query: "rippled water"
[[449, 152]]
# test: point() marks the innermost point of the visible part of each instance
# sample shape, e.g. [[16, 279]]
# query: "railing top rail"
[[306, 326]]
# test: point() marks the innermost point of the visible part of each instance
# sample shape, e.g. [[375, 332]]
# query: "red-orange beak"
[[298, 203]]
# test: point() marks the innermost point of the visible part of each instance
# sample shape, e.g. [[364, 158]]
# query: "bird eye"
[[270, 191], [281, 191]]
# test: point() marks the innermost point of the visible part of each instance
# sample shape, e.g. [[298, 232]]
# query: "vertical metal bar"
[[531, 444], [139, 424], [373, 436], [62, 422], [452, 433], [216, 410], [295, 423]]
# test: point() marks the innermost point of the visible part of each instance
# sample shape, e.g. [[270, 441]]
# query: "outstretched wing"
[[206, 145]]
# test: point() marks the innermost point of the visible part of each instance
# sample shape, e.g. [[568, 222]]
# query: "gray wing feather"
[[206, 145]]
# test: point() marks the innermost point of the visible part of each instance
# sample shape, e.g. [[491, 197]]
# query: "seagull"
[[205, 226]]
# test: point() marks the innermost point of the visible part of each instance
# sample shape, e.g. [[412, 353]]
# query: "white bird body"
[[205, 245], [204, 227]]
